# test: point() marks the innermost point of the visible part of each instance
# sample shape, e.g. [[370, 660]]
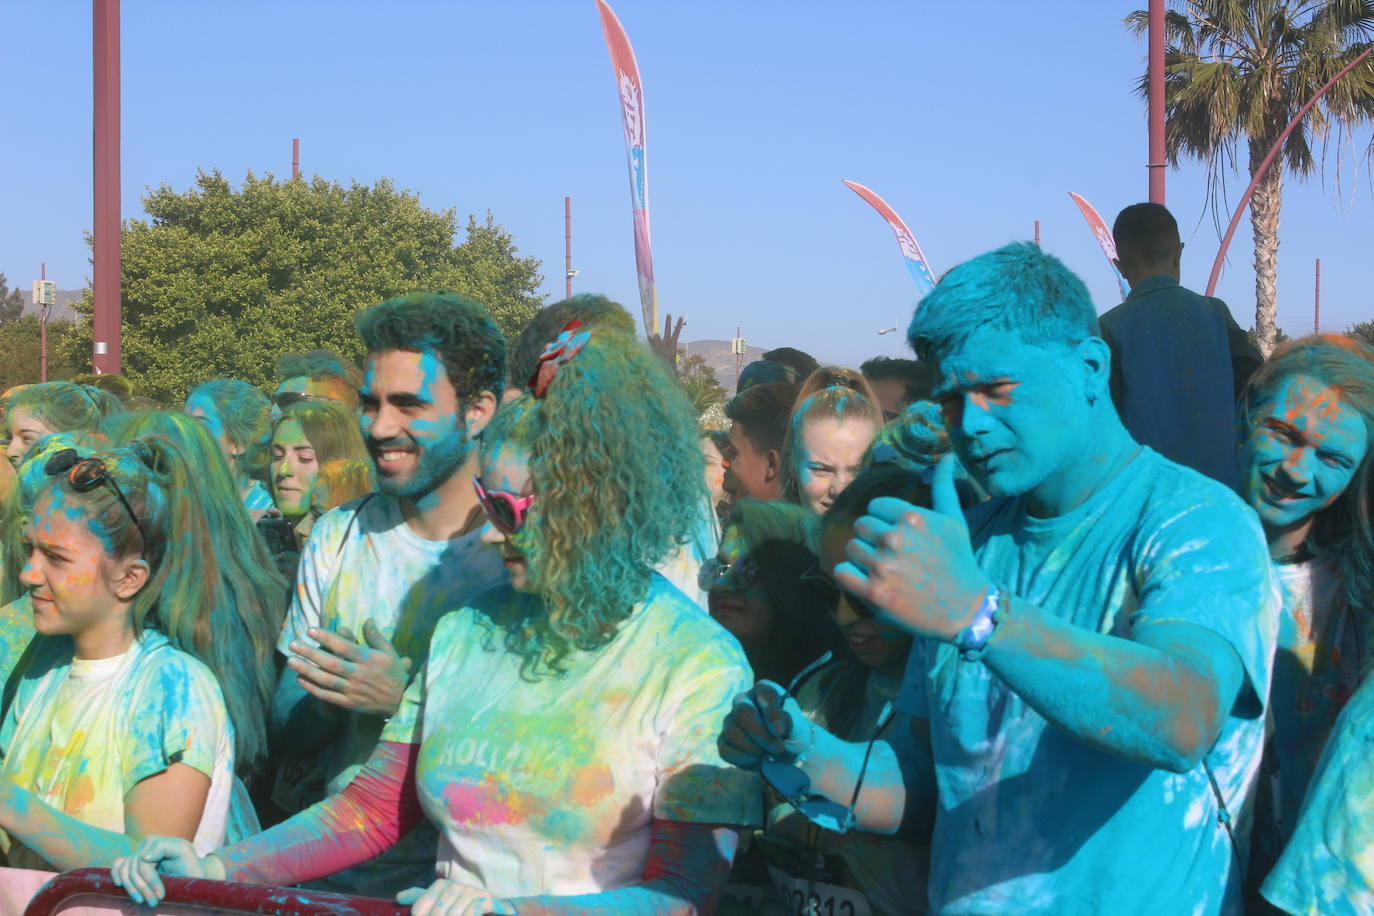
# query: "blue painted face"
[[1301, 451], [1018, 414], [412, 422]]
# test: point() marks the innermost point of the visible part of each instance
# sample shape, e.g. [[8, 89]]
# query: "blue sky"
[[973, 120]]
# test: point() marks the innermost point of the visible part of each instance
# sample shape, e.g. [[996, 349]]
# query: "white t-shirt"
[[682, 567], [81, 734], [550, 785], [363, 561]]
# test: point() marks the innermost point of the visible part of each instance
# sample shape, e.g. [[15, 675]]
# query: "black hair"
[[763, 412], [918, 379], [459, 330], [590, 309], [803, 364], [1145, 233]]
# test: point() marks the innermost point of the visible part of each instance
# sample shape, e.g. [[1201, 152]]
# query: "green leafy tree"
[[219, 281], [1238, 71], [11, 302], [20, 351], [698, 382], [1364, 330]]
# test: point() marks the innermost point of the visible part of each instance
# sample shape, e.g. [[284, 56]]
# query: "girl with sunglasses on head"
[[239, 418], [758, 589], [118, 730], [561, 733], [35, 411]]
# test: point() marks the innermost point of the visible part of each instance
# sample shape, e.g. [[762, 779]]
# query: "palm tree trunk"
[[1265, 204]]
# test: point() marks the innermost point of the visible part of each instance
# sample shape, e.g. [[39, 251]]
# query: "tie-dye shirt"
[[363, 561], [81, 733], [1034, 820], [1328, 867], [550, 785]]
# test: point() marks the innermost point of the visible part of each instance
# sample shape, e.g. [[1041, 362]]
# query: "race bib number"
[[811, 882]]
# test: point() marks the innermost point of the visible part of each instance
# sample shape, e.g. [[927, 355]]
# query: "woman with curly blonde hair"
[[562, 733]]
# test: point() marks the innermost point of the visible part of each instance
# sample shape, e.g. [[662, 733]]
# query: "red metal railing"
[[222, 895]]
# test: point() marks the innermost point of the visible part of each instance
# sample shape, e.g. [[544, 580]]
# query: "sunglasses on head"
[[506, 510], [85, 474], [287, 398], [715, 573], [794, 786]]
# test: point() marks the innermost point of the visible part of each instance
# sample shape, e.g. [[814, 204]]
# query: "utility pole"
[[105, 148], [568, 272], [1156, 78], [1037, 233], [1317, 301], [295, 158], [44, 295], [737, 347]]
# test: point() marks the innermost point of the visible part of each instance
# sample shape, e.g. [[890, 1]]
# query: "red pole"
[[1037, 233], [295, 158], [1317, 301], [43, 330], [1264, 167], [567, 245], [1156, 103], [105, 15]]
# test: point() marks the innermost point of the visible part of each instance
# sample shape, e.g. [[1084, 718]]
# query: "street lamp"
[[897, 345]]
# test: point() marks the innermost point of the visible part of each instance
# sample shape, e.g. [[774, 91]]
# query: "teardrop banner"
[[912, 254], [631, 92], [1104, 238]]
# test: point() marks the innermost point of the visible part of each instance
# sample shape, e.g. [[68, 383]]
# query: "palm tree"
[[1241, 69]]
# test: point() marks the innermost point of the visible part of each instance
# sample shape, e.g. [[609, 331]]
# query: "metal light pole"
[[1156, 103], [568, 272], [105, 130], [295, 158], [897, 344]]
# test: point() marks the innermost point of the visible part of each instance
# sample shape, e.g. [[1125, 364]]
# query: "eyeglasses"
[[287, 398], [506, 511], [794, 786], [85, 474], [736, 577]]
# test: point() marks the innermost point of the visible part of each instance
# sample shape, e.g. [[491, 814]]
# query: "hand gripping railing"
[[220, 895]]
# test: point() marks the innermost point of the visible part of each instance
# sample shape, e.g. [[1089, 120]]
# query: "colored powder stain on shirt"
[[1094, 832], [482, 804]]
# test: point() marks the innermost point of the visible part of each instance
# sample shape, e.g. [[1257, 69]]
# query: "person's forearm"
[[683, 877], [62, 840], [1147, 705], [884, 804], [378, 808]]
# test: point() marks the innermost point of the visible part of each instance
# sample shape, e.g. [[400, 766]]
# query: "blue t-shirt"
[[1030, 819], [1174, 374], [1328, 867]]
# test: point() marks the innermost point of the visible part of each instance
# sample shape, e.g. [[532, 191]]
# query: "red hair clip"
[[564, 347]]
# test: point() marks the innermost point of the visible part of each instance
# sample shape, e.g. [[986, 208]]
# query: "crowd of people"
[[1064, 616]]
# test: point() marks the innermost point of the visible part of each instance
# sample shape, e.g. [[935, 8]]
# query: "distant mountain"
[[718, 356], [62, 309]]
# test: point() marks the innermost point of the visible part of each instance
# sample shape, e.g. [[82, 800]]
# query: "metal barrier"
[[263, 899]]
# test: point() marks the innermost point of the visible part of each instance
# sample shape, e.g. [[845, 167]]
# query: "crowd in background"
[[1066, 615]]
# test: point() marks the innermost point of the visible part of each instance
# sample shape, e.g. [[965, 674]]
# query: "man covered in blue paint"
[[1082, 714], [1179, 360]]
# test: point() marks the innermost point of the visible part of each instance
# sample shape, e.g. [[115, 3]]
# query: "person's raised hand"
[[761, 726], [665, 345], [916, 566], [449, 898], [139, 874], [369, 678]]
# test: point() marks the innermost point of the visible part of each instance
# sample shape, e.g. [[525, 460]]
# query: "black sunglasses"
[[287, 398], [85, 474]]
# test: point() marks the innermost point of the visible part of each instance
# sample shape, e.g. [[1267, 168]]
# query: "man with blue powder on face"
[[379, 572], [1083, 710]]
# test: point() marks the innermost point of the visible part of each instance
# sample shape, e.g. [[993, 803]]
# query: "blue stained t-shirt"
[[1327, 868], [1030, 819]]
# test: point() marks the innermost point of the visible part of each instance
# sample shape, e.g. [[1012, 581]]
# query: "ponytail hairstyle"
[[617, 470], [64, 406], [236, 635], [1344, 530], [246, 415], [836, 377], [840, 403]]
